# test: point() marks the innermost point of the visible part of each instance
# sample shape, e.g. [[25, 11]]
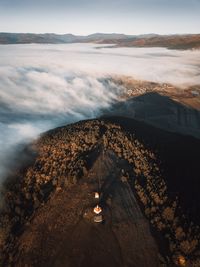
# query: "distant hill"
[[169, 41], [51, 38], [161, 112], [26, 38], [188, 41]]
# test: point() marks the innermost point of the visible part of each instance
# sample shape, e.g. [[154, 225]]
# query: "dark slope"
[[178, 157], [161, 112], [48, 218]]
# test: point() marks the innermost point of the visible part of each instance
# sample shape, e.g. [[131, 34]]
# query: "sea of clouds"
[[45, 86]]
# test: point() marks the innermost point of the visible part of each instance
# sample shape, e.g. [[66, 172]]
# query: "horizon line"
[[105, 33]]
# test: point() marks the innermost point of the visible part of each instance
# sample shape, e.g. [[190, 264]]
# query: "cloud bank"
[[44, 86]]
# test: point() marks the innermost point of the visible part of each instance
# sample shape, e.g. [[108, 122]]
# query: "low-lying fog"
[[44, 86]]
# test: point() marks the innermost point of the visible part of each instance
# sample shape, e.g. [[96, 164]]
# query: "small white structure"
[[96, 195]]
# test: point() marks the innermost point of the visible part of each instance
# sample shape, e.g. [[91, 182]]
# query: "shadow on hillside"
[[159, 111], [179, 160], [173, 130]]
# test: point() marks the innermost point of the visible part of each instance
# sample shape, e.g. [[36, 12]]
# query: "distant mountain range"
[[23, 38], [187, 41]]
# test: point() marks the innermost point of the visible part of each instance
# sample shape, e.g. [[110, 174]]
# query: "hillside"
[[147, 179], [161, 111], [51, 38], [187, 41], [190, 41]]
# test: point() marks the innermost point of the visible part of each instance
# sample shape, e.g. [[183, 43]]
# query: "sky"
[[89, 16]]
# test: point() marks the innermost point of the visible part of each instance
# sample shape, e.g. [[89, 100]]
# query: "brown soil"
[[61, 234]]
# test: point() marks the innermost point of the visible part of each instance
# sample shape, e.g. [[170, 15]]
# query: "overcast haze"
[[89, 16]]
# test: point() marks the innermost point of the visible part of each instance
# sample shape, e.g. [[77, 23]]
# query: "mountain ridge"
[[174, 41]]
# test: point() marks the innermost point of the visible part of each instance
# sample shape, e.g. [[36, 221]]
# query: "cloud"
[[25, 131], [44, 86]]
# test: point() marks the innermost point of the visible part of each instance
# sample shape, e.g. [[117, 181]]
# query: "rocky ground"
[[47, 218]]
